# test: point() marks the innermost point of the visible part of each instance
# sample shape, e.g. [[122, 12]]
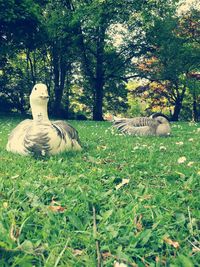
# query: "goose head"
[[39, 98], [163, 128], [161, 120], [39, 95]]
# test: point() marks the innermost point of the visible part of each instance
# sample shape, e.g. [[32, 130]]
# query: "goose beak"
[[44, 97]]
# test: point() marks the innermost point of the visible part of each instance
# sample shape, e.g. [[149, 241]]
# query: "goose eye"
[[35, 89]]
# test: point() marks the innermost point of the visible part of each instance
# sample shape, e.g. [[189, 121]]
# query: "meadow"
[[122, 199]]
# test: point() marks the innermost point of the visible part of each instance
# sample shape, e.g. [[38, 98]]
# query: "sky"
[[186, 4]]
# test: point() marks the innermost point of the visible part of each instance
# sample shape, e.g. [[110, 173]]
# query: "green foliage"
[[135, 223], [135, 109], [173, 50], [68, 44], [137, 105], [20, 21], [194, 86]]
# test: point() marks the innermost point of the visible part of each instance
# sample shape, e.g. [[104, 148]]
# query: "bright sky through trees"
[[187, 4]]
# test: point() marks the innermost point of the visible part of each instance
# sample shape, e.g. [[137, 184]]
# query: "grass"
[[62, 210]]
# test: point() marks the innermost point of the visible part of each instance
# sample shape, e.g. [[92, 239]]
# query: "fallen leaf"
[[138, 222], [179, 143], [57, 208], [105, 161], [191, 139], [124, 182], [181, 160], [14, 232], [106, 255], [101, 147], [5, 205], [15, 176], [195, 249], [190, 163], [144, 197], [50, 177], [182, 175], [117, 264], [135, 148], [163, 148], [77, 252], [157, 259], [169, 241]]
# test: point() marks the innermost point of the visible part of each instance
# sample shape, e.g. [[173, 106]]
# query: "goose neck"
[[39, 113]]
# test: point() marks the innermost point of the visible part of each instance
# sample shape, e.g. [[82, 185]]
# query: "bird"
[[40, 136], [154, 125]]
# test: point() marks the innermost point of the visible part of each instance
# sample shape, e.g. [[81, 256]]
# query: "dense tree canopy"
[[174, 56], [87, 51]]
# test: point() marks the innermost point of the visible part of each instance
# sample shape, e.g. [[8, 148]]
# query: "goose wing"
[[49, 139], [43, 138], [16, 138], [37, 139], [67, 133], [136, 126]]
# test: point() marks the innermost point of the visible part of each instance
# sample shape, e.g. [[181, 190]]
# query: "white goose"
[[40, 136], [155, 125]]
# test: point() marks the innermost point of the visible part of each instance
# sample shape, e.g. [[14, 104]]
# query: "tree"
[[19, 24], [97, 54], [61, 49], [72, 44], [172, 57], [19, 30], [193, 83]]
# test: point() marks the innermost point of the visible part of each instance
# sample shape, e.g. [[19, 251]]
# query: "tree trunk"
[[94, 74], [29, 60], [177, 109], [98, 91], [178, 101], [56, 106], [67, 94], [99, 79], [195, 111], [59, 90], [56, 72], [98, 102]]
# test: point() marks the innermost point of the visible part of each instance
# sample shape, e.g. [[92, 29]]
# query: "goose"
[[40, 136], [154, 125]]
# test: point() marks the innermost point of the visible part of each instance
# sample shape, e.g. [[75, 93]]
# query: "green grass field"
[[66, 209]]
